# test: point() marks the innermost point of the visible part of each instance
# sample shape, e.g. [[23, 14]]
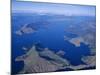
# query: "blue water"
[[51, 37]]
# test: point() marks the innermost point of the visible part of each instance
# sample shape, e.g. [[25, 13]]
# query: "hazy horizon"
[[53, 8]]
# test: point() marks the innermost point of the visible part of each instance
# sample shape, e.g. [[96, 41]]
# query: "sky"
[[53, 8]]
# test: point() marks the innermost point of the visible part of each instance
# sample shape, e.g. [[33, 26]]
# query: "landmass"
[[76, 41], [45, 60], [86, 34], [25, 30]]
